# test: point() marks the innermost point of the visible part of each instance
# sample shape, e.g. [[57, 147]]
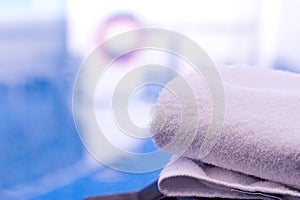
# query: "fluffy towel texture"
[[187, 177], [260, 136]]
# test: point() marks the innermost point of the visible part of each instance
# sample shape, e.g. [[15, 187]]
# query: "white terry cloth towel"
[[190, 178], [261, 132]]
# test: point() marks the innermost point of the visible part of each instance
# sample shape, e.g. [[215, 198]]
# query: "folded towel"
[[190, 178], [260, 135]]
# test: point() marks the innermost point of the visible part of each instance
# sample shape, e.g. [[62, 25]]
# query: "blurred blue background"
[[42, 45]]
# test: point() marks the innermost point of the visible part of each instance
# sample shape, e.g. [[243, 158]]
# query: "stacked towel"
[[258, 152]]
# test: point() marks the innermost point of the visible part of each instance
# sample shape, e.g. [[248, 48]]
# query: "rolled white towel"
[[261, 131]]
